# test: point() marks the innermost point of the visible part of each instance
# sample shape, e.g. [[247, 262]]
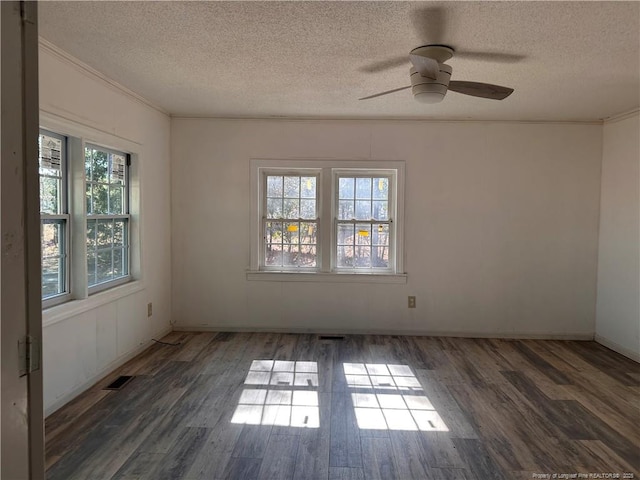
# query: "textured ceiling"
[[565, 60]]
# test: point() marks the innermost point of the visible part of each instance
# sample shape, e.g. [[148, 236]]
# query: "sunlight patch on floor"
[[380, 376], [285, 373], [390, 411], [274, 406]]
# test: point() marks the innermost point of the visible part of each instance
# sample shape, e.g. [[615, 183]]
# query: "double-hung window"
[[290, 221], [363, 222], [54, 217], [107, 209], [85, 215], [327, 217]]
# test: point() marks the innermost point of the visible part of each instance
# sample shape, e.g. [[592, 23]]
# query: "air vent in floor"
[[331, 337], [119, 382]]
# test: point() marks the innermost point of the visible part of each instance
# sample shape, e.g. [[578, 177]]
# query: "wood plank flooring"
[[283, 406]]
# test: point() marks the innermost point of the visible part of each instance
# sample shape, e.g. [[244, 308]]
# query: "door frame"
[[21, 401]]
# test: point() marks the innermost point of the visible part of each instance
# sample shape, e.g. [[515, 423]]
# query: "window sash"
[[356, 246], [291, 221], [89, 182], [63, 281], [63, 194], [93, 254], [95, 282], [299, 244], [372, 174], [62, 218]]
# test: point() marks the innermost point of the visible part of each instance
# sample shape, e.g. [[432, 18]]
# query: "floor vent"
[[119, 382], [331, 337]]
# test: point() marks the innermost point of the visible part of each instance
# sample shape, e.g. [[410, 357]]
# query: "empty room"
[[320, 240]]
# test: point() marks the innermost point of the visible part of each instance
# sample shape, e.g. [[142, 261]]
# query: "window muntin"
[[54, 217], [290, 221], [107, 204], [363, 226]]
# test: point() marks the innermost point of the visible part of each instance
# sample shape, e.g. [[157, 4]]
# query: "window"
[[54, 216], [291, 221], [86, 221], [327, 217], [107, 202], [363, 221]]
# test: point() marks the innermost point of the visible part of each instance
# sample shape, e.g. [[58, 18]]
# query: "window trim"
[[326, 188], [65, 296], [78, 134]]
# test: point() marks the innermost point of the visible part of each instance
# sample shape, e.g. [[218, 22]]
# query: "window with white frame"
[[290, 220], [363, 224], [327, 217], [85, 217], [54, 216], [107, 209]]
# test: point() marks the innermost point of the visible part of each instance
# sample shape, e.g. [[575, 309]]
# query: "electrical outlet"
[[412, 301], [149, 309]]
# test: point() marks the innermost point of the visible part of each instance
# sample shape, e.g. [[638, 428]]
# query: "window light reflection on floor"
[[393, 405], [380, 376], [285, 373], [288, 408], [390, 411], [273, 406]]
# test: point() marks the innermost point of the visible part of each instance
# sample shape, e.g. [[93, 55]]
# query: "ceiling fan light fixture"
[[426, 90], [429, 97]]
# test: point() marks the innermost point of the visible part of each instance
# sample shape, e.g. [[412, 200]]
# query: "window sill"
[[72, 308], [321, 277]]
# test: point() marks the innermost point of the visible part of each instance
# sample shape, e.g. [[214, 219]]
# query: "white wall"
[[85, 339], [618, 308], [501, 227]]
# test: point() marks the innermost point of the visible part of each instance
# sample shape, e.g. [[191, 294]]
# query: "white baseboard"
[[616, 347], [108, 369], [417, 333]]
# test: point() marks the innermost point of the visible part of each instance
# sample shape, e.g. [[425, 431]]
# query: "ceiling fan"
[[431, 76]]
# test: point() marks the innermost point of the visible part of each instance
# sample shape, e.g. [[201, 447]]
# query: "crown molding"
[[621, 116], [92, 72], [321, 119]]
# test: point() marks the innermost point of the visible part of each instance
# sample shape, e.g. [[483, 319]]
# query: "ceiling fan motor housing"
[[427, 90]]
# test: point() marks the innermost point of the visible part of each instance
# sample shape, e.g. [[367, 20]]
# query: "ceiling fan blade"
[[427, 67], [384, 64], [477, 89], [429, 24], [384, 93], [496, 57]]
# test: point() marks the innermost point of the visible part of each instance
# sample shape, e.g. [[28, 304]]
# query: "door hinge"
[[29, 352]]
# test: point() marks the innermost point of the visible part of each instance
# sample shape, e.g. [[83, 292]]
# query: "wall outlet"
[[412, 301], [149, 309]]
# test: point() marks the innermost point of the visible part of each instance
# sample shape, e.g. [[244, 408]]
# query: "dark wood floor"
[[281, 406]]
